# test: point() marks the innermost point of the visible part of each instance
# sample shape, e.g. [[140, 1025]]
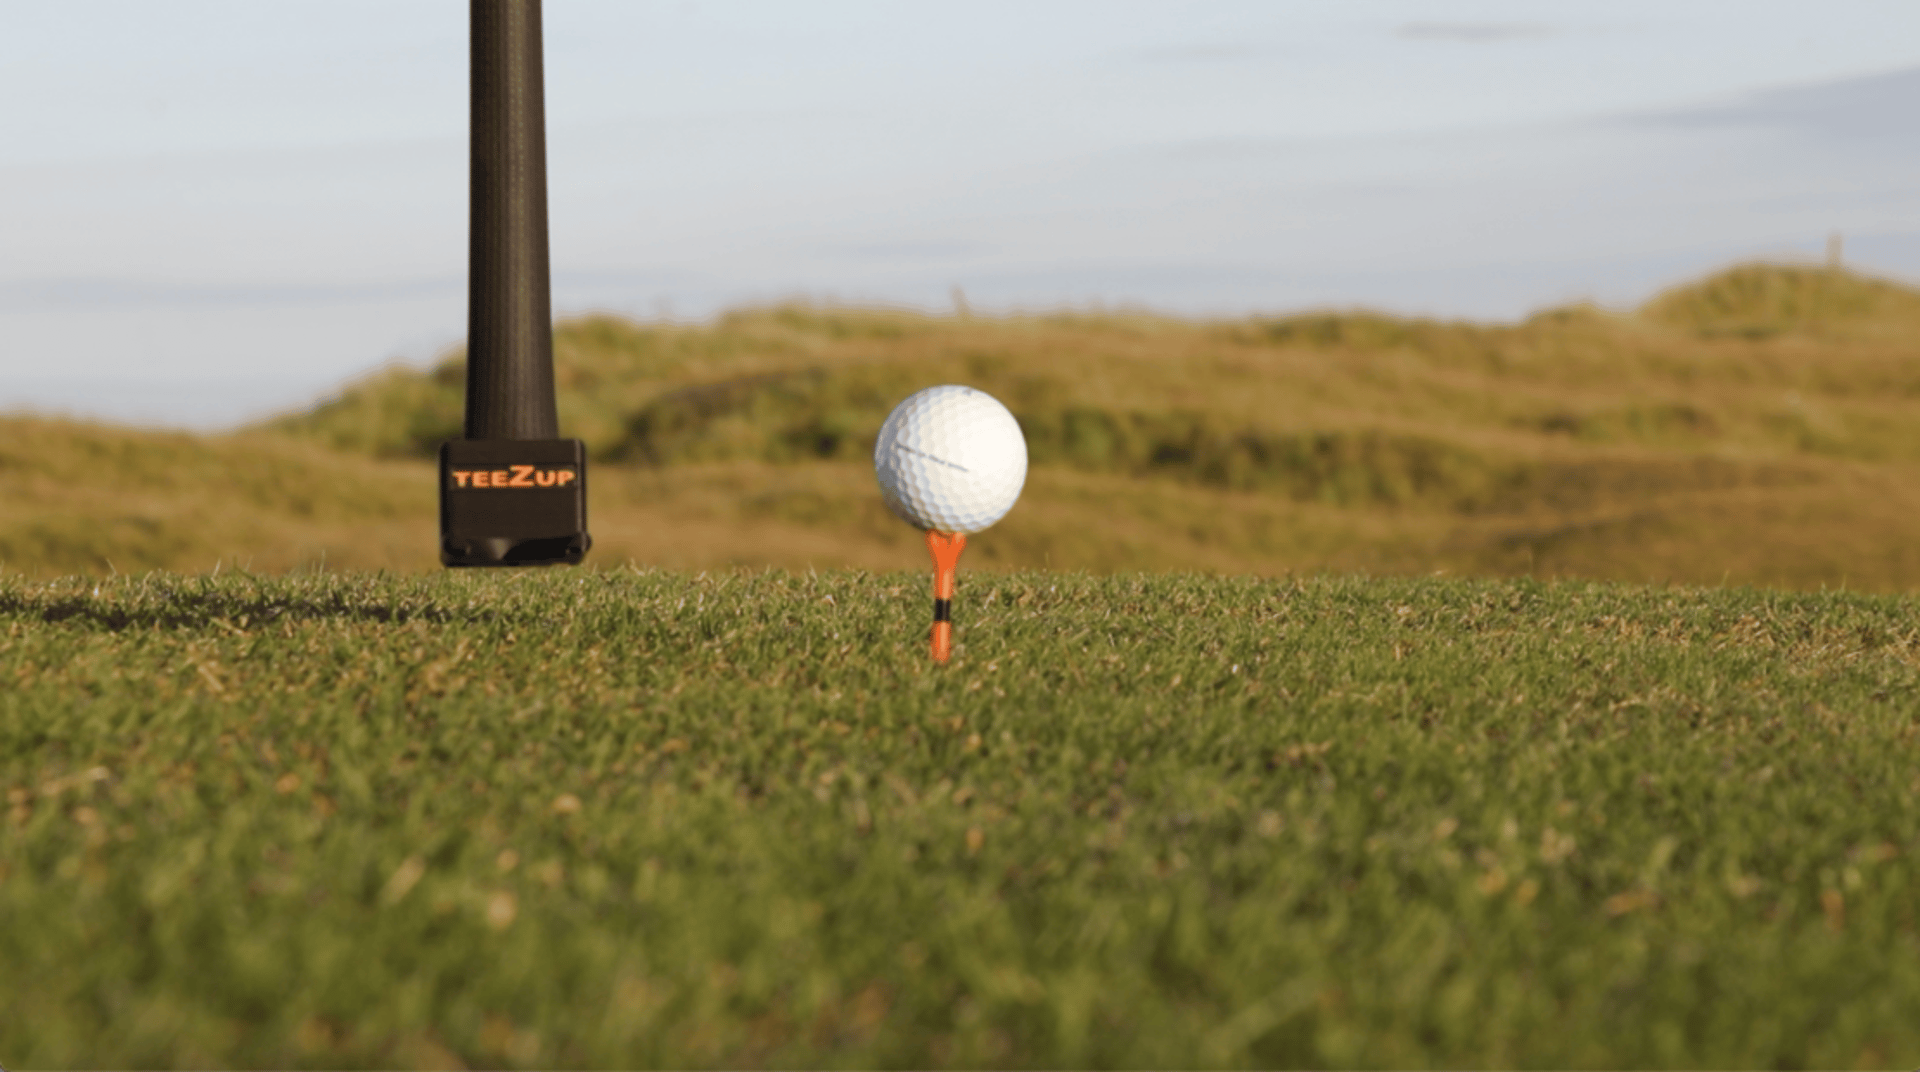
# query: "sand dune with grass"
[[1755, 427]]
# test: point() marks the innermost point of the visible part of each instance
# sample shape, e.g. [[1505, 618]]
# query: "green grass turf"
[[621, 818]]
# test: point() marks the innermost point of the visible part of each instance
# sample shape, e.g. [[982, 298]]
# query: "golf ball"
[[950, 459]]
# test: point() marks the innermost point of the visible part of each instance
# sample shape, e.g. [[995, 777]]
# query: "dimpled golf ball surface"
[[951, 459]]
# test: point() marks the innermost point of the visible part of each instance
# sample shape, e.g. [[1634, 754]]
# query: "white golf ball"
[[950, 459]]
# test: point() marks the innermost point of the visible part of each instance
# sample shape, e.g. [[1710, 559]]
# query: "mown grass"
[[629, 818]]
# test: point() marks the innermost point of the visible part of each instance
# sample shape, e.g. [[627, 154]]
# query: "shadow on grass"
[[195, 610]]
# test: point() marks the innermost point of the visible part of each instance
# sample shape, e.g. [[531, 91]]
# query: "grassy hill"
[[90, 498], [1759, 426]]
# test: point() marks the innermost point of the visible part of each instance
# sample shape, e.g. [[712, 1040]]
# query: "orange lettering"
[[518, 476]]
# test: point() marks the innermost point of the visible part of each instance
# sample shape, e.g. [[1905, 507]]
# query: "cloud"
[[103, 293], [1471, 32], [23, 294], [1210, 53], [1874, 108], [915, 251]]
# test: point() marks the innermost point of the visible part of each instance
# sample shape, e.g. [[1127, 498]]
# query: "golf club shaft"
[[509, 305]]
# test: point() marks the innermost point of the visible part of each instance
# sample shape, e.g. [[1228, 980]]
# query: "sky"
[[216, 210]]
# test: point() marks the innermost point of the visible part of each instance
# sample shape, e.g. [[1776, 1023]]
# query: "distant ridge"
[[1761, 425], [796, 382], [1762, 300]]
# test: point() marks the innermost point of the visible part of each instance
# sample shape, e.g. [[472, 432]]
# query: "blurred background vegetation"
[[1761, 426]]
